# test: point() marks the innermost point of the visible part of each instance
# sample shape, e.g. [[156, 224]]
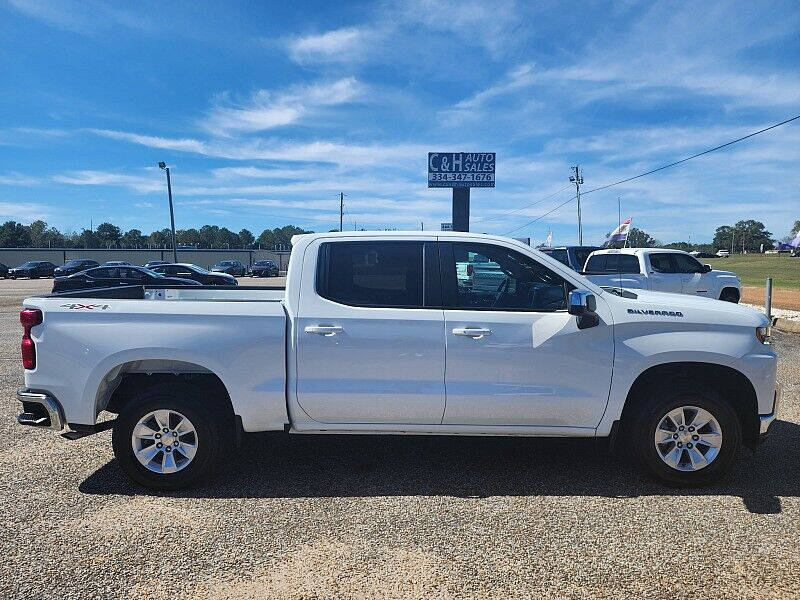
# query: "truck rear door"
[[664, 276], [370, 332]]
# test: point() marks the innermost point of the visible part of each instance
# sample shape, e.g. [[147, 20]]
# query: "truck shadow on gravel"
[[311, 466]]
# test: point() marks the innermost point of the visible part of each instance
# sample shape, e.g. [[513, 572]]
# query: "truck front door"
[[370, 333], [514, 354]]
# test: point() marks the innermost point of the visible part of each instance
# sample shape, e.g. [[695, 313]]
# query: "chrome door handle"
[[326, 330], [475, 333]]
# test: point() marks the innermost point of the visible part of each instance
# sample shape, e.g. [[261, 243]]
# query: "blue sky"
[[265, 111]]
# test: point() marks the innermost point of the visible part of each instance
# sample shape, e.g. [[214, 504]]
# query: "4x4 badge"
[[86, 306]]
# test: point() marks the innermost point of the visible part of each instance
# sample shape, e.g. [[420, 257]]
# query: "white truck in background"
[[384, 333], [661, 270]]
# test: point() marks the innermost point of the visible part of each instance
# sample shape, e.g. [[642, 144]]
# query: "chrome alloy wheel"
[[164, 441], [688, 438]]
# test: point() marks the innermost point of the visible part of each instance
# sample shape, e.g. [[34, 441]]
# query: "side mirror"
[[581, 302], [706, 268], [583, 305]]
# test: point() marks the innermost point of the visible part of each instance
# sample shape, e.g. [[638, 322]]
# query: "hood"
[[682, 308], [725, 273]]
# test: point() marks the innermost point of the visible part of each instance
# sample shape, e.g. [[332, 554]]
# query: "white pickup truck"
[[661, 270], [379, 333]]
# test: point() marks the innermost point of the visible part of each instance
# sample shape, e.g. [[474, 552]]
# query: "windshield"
[[27, 264], [197, 269], [560, 254], [581, 254], [150, 272], [226, 263]]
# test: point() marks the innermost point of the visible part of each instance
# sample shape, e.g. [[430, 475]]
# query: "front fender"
[[635, 354]]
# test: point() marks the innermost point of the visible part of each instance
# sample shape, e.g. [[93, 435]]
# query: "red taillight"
[[29, 318]]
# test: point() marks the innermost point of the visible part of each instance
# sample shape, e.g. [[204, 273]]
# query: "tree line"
[[748, 236], [107, 235]]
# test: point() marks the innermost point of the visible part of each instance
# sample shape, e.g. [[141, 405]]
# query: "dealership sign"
[[461, 169]]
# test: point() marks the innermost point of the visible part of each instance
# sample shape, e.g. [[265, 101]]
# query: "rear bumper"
[[766, 420], [40, 409]]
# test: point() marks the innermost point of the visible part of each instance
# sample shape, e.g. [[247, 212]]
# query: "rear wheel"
[[168, 438], [686, 437]]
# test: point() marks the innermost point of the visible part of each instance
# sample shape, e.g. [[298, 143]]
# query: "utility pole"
[[164, 166], [577, 179], [422, 226], [341, 210]]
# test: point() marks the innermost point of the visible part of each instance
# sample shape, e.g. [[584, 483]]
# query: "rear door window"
[[662, 262], [372, 273]]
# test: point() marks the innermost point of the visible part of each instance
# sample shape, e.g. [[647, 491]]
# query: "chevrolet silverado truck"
[[661, 270], [383, 333]]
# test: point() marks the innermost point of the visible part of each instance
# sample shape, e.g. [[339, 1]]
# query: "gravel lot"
[[331, 516]]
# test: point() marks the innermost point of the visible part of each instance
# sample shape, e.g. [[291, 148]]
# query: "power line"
[[516, 210], [661, 168], [688, 158]]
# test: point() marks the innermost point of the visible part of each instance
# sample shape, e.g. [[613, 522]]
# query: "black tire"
[[641, 432], [210, 425], [729, 295]]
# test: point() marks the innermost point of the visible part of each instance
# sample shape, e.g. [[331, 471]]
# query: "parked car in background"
[[572, 256], [698, 254], [33, 269], [199, 274], [660, 270], [3, 271], [154, 263], [723, 254], [112, 276], [264, 268], [231, 267], [75, 266], [116, 263]]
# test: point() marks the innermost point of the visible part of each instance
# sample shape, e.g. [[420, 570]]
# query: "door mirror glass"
[[582, 302]]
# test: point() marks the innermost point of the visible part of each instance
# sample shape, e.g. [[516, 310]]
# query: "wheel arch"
[[122, 382], [736, 388], [730, 289]]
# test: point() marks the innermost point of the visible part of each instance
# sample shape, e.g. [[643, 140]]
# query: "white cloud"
[[89, 177], [339, 45], [20, 179], [266, 109]]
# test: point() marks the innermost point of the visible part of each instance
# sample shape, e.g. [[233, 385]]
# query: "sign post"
[[461, 171]]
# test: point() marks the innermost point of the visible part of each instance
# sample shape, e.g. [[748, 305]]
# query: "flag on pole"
[[620, 234], [795, 243], [549, 241]]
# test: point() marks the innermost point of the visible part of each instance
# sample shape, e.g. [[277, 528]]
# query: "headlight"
[[763, 334]]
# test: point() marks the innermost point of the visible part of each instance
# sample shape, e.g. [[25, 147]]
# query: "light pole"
[[164, 166], [577, 179]]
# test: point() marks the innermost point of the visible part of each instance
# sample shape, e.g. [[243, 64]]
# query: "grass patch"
[[753, 269]]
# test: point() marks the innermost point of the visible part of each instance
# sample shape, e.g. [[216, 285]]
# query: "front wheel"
[[166, 440], [686, 437]]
